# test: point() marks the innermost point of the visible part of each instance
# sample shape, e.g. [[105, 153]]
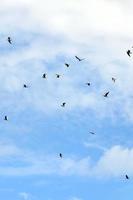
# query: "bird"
[[113, 79], [106, 94], [44, 76], [79, 59], [129, 53], [57, 75], [63, 104], [9, 40], [67, 64], [88, 84], [6, 118], [60, 155], [92, 133], [127, 177], [25, 86]]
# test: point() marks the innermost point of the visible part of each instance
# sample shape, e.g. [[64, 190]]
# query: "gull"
[[9, 40], [106, 94], [79, 59]]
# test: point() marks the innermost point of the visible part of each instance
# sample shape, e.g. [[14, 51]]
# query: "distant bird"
[[9, 40], [79, 59], [44, 75], [25, 86], [63, 104], [127, 177], [106, 94], [92, 133], [88, 84], [113, 79], [57, 75], [129, 53], [67, 64], [60, 155], [6, 118]]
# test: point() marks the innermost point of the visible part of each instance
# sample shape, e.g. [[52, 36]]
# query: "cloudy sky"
[[45, 35]]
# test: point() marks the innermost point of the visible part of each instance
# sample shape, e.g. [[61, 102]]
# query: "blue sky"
[[45, 35]]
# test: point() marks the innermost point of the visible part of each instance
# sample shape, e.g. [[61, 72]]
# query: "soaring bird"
[[25, 86], [67, 64], [44, 76], [79, 59], [6, 118], [57, 75], [9, 40], [63, 104], [60, 155], [88, 84], [92, 133], [127, 177], [106, 94], [129, 53], [113, 79]]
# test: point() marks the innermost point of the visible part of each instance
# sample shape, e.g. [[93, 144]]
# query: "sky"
[[46, 35]]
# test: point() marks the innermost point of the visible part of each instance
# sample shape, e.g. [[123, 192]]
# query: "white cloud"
[[75, 198], [99, 30], [114, 162], [24, 195]]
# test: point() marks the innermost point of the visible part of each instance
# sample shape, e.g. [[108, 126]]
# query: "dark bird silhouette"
[[60, 155], [106, 94], [63, 104], [88, 84], [92, 133], [79, 59], [44, 75], [127, 177], [6, 118], [67, 64], [9, 40], [25, 86], [57, 75], [113, 79], [129, 53]]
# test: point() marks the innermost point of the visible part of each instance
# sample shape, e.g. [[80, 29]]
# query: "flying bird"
[[79, 59], [127, 177], [44, 76], [129, 53], [106, 94], [60, 155], [63, 104], [67, 64], [6, 118], [92, 133], [25, 86], [88, 84], [9, 40], [57, 75], [113, 79]]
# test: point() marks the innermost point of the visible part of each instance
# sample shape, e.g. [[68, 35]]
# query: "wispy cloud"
[[115, 161]]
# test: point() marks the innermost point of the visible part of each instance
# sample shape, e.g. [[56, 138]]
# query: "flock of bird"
[[129, 52]]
